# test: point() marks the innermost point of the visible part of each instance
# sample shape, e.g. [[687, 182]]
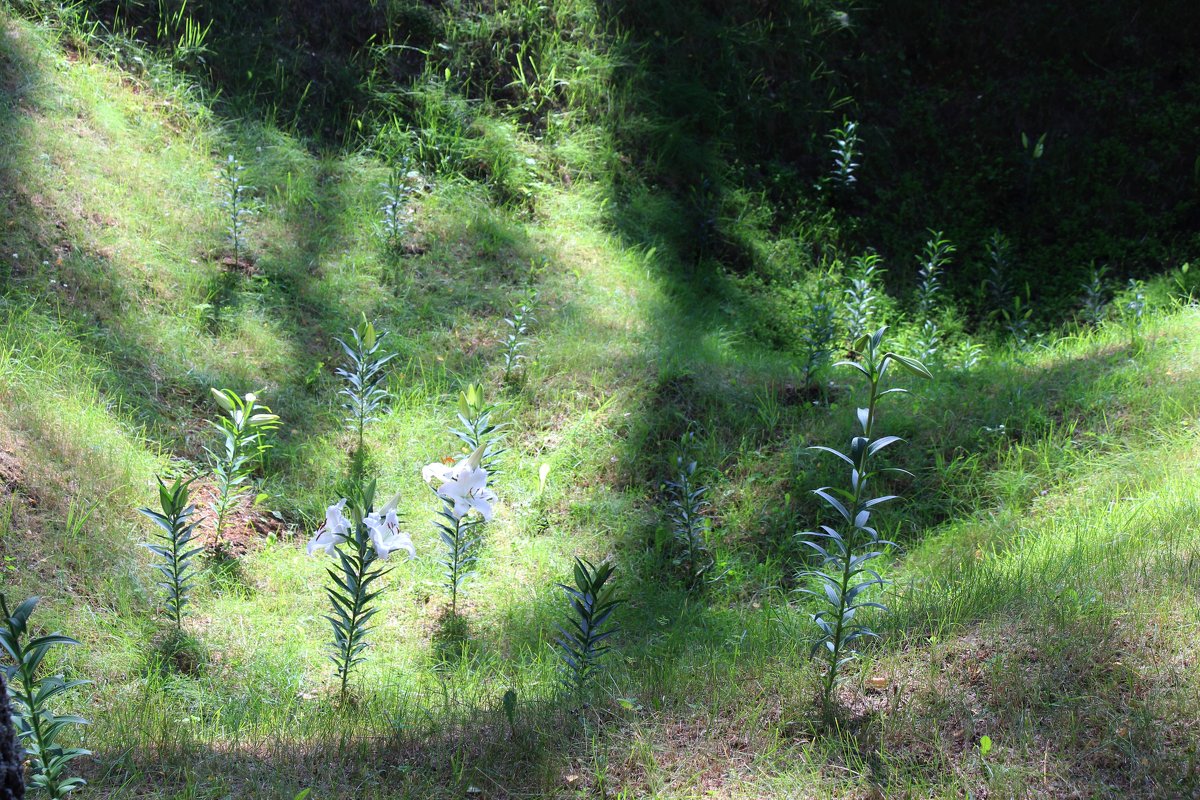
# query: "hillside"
[[1044, 563]]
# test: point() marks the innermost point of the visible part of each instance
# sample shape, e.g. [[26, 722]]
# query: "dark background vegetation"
[[727, 106]]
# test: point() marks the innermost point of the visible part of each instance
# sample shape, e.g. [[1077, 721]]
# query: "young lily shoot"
[[243, 429], [845, 579], [364, 394], [582, 643], [38, 727], [177, 527], [467, 502], [478, 426], [359, 542]]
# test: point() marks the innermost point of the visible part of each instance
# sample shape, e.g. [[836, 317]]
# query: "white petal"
[[483, 507], [435, 470]]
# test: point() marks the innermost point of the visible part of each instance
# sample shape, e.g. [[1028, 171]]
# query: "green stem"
[[352, 637]]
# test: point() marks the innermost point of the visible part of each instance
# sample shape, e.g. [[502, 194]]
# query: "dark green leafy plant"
[[998, 285], [818, 329], [12, 781], [243, 428], [583, 642], [929, 341], [1095, 297], [365, 397], [38, 727], [933, 261], [177, 532], [864, 295], [686, 507], [845, 151], [844, 577]]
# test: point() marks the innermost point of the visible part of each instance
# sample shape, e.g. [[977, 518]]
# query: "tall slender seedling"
[[38, 727], [365, 396], [687, 513], [236, 208], [844, 576]]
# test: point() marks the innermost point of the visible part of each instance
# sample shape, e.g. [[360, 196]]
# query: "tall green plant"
[[818, 329], [365, 396], [845, 151], [479, 426], [237, 210], [463, 489], [933, 261], [243, 429], [864, 295], [845, 578], [686, 512], [583, 642], [517, 340], [176, 532], [38, 727], [358, 542]]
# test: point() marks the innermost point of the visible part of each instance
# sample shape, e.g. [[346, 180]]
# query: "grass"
[[1041, 593]]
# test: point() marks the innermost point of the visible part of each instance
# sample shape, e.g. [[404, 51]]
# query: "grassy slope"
[[1053, 613]]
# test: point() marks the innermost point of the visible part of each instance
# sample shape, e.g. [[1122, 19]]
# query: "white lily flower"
[[384, 528], [465, 485], [386, 535], [335, 531]]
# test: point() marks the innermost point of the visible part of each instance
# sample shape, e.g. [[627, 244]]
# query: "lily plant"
[[845, 579], [363, 373], [243, 429], [478, 427], [38, 727], [466, 503], [359, 542], [176, 533]]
